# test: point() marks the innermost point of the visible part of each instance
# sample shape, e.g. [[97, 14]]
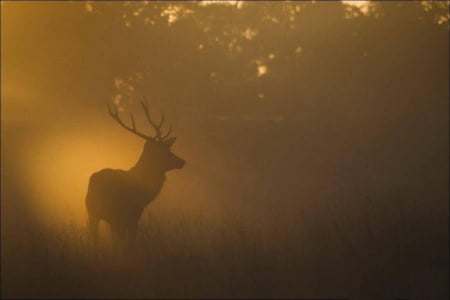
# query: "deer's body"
[[119, 197]]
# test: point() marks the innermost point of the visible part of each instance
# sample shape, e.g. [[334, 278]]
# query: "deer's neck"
[[149, 173]]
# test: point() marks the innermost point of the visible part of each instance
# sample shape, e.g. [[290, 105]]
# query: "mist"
[[315, 136]]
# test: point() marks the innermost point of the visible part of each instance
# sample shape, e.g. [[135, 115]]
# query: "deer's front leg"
[[93, 229]]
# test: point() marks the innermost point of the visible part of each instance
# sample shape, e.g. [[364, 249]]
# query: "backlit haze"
[[289, 115]]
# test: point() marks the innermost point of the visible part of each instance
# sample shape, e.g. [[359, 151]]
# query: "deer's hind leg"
[[119, 236], [132, 234]]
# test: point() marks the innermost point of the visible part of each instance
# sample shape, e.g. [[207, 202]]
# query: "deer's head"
[[157, 152]]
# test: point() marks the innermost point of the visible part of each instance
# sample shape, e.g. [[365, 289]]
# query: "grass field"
[[375, 251]]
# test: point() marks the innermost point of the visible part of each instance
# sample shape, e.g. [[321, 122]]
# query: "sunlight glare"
[[67, 165], [249, 33], [363, 5], [88, 6], [262, 70], [237, 4]]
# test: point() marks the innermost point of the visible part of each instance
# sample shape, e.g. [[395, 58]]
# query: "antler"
[[115, 115], [157, 127]]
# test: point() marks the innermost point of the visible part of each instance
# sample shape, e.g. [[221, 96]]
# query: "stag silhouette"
[[119, 197]]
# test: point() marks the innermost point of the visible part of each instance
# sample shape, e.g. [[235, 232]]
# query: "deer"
[[119, 197]]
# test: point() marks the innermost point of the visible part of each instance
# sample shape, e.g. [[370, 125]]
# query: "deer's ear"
[[170, 141]]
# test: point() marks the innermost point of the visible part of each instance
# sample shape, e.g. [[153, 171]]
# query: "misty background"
[[317, 131]]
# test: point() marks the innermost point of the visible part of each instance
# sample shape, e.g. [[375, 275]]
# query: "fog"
[[315, 136]]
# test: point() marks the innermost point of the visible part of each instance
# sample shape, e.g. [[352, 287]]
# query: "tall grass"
[[347, 248]]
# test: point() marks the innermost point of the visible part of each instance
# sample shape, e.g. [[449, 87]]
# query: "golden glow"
[[442, 17], [358, 4], [125, 90], [296, 125], [60, 171], [88, 6], [174, 12], [262, 70], [249, 33], [237, 4], [362, 6]]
